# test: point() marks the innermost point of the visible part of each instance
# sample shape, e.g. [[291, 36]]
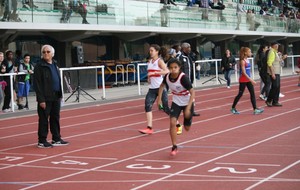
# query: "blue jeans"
[[227, 75]]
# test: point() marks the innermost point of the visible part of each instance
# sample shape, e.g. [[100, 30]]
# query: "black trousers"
[[267, 83], [241, 91], [50, 115], [275, 89]]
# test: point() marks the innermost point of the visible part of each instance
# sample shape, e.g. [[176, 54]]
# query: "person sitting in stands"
[[73, 5], [28, 4]]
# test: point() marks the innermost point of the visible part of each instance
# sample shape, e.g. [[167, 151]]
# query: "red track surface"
[[222, 151]]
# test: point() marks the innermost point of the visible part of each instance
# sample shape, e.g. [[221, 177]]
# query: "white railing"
[[215, 62], [85, 68], [11, 76]]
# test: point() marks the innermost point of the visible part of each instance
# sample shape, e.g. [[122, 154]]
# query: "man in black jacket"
[[187, 64], [48, 93]]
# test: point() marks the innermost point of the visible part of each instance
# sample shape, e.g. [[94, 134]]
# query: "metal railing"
[[61, 70]]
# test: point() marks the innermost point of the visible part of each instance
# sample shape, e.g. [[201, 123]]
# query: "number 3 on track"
[[142, 166]]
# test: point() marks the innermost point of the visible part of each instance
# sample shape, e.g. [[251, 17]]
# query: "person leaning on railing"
[[24, 80]]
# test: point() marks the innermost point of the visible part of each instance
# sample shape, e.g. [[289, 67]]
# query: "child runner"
[[245, 80], [156, 70], [183, 96]]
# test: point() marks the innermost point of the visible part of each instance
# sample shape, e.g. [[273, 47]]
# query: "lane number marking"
[[233, 170], [143, 166], [70, 162]]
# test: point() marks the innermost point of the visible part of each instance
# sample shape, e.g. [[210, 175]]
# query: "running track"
[[221, 151]]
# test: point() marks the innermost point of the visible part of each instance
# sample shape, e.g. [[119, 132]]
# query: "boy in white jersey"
[[183, 96]]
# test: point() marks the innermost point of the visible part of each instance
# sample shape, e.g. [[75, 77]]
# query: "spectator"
[[251, 20], [187, 64], [204, 4], [164, 12], [167, 54], [28, 4], [10, 11], [48, 95], [73, 5], [227, 65], [282, 58], [190, 3], [217, 5], [24, 81], [260, 61], [274, 70], [177, 48], [2, 82], [167, 2], [18, 59], [239, 11], [8, 64]]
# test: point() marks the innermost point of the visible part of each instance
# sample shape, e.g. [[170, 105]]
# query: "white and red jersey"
[[181, 96], [155, 80]]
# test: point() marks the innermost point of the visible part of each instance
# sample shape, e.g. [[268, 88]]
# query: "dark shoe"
[[269, 104], [60, 143], [196, 114], [20, 107], [44, 145], [277, 104]]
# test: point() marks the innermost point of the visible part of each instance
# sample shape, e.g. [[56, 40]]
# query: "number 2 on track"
[[232, 170]]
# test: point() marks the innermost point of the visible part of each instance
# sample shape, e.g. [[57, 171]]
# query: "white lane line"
[[275, 174], [168, 161], [151, 152], [118, 102], [23, 154], [217, 158], [91, 158], [123, 126], [247, 164]]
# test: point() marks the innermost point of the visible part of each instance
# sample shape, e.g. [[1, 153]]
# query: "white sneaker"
[[281, 95], [228, 86], [6, 110], [262, 97]]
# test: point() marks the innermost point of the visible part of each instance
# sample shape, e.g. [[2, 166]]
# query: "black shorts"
[[176, 110]]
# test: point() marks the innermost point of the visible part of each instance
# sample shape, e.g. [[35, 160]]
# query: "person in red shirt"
[[245, 80]]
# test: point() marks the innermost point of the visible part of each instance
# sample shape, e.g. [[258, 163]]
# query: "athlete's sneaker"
[[258, 111], [60, 143], [44, 145], [179, 129], [146, 131], [262, 97], [234, 111], [174, 151], [281, 95]]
